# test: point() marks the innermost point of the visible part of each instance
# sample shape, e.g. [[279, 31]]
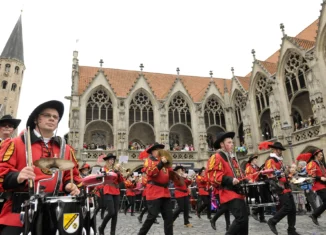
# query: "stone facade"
[[115, 107]]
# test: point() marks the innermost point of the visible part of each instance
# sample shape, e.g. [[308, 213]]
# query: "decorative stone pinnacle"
[[253, 52], [211, 74], [101, 62], [232, 70], [178, 71], [282, 28], [141, 66]]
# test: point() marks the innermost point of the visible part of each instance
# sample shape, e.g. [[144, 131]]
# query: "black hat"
[[178, 167], [53, 104], [155, 146], [277, 145], [201, 170], [109, 156], [315, 152], [222, 136], [252, 157], [9, 119]]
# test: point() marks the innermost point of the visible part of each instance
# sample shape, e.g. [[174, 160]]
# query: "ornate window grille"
[[141, 109], [179, 111], [295, 78], [262, 92], [238, 104], [99, 107], [214, 113]]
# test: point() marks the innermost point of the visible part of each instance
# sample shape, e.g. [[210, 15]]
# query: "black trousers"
[[206, 203], [156, 206], [311, 199], [183, 206], [287, 209], [223, 209], [145, 209], [112, 209], [131, 203], [260, 193], [240, 224], [322, 194], [11, 230]]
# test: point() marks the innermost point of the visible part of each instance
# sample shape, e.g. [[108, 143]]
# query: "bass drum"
[[59, 216]]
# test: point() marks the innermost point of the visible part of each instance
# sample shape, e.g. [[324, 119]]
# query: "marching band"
[[38, 171]]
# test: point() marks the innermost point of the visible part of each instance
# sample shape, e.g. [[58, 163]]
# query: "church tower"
[[12, 69]]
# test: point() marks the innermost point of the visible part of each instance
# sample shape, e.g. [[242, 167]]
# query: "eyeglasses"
[[7, 125], [48, 115]]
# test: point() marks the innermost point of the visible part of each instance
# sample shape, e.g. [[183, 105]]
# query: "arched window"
[[179, 111], [141, 109], [16, 70], [4, 84], [263, 89], [238, 105], [13, 86], [99, 107], [295, 70], [7, 69], [214, 113]]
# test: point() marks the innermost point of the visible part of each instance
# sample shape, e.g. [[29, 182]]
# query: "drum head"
[[92, 179]]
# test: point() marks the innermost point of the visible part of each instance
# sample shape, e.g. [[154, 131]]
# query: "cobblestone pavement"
[[129, 225]]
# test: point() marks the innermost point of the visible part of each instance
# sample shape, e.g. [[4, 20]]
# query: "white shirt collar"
[[46, 140], [276, 157]]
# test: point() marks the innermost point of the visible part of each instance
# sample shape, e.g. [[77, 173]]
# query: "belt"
[[113, 185], [157, 184], [181, 190]]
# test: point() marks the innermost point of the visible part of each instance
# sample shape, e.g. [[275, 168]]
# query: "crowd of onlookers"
[[304, 124], [93, 146]]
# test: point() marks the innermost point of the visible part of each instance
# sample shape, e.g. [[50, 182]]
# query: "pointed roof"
[[14, 48], [244, 81], [271, 68], [302, 43]]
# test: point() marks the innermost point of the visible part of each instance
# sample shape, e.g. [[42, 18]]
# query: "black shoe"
[[293, 233], [198, 214], [132, 214], [272, 226], [255, 216], [314, 219], [140, 219], [209, 217], [262, 221], [189, 217], [156, 222], [100, 231], [213, 224]]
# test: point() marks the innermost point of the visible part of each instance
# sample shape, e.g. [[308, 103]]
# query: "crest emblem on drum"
[[71, 222]]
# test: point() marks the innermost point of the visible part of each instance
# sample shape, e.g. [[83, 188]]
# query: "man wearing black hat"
[[224, 171], [14, 173], [158, 196], [275, 162], [7, 127]]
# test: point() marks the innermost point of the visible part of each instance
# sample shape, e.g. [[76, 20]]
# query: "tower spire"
[[14, 48]]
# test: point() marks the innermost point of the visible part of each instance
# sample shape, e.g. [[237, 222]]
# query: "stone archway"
[[301, 103], [99, 134], [181, 135], [141, 133], [266, 125], [211, 135]]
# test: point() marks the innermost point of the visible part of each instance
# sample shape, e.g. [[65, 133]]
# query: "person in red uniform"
[[111, 195], [14, 173], [130, 184], [223, 170], [182, 196], [316, 169], [84, 170], [275, 162], [252, 170], [203, 193], [158, 196]]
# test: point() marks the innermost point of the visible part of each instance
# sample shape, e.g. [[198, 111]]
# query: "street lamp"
[[287, 129]]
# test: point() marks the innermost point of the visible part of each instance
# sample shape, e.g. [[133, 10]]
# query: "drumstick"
[[29, 156]]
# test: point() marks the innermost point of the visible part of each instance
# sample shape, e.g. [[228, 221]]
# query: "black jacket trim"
[[10, 181]]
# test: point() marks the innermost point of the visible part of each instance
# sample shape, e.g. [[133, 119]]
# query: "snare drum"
[[59, 216]]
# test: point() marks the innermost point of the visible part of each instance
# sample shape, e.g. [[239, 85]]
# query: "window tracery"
[[179, 111], [141, 109], [239, 104], [214, 113], [263, 88], [295, 70], [99, 107]]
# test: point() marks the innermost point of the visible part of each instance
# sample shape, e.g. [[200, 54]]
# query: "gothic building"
[[12, 69], [282, 98]]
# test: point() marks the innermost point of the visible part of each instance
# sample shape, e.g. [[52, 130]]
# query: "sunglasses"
[[7, 125]]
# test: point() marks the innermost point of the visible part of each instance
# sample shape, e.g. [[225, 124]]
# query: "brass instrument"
[[167, 155]]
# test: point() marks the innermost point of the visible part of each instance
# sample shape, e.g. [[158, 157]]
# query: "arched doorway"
[[266, 125], [180, 135], [302, 114], [140, 135], [98, 134]]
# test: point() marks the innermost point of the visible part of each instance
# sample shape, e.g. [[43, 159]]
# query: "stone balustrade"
[[305, 134]]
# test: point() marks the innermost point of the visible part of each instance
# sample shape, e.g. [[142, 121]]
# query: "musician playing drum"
[[111, 195], [223, 170], [14, 173], [251, 171], [275, 162], [316, 168]]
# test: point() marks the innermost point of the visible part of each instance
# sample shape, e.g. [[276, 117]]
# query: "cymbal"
[[48, 163]]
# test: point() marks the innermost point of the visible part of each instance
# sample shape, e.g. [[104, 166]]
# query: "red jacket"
[[202, 185], [219, 173], [113, 188], [156, 174], [13, 160], [317, 171], [182, 191], [273, 163], [250, 172], [144, 183], [130, 186]]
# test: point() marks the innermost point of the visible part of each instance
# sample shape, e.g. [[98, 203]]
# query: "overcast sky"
[[197, 36]]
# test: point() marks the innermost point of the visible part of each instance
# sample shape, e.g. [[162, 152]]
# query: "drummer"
[[111, 194], [84, 170], [252, 170], [14, 173]]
